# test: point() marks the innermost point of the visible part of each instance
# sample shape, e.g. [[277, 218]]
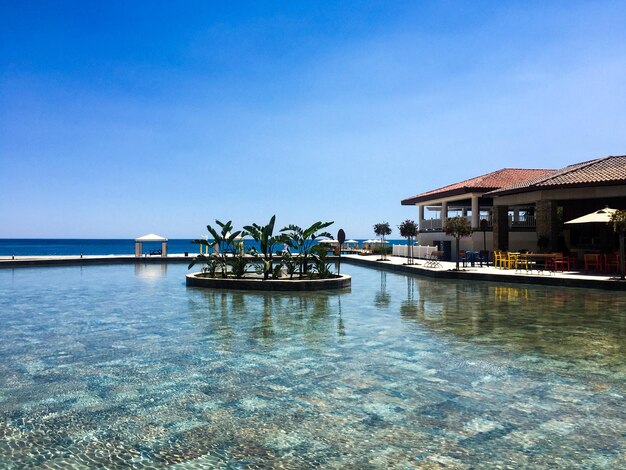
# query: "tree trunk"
[[408, 250], [457, 253]]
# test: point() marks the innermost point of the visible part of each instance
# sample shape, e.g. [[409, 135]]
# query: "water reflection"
[[382, 297], [571, 324], [151, 271], [268, 317]]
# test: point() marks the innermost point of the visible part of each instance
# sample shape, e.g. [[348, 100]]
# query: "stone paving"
[[490, 273]]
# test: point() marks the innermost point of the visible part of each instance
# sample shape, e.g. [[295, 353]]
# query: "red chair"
[[573, 259], [611, 263], [560, 262], [592, 261]]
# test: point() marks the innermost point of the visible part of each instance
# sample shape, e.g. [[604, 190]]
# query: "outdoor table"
[[536, 257]]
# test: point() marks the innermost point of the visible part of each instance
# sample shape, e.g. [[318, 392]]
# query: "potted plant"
[[408, 229], [458, 227], [382, 229]]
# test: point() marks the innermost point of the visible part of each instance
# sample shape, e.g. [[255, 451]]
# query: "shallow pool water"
[[118, 366]]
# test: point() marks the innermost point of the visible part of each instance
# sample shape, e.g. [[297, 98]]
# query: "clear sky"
[[120, 118]]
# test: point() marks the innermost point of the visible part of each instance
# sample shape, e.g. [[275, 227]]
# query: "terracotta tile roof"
[[480, 184], [599, 172]]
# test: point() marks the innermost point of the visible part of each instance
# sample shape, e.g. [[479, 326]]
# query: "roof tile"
[[606, 170], [484, 183]]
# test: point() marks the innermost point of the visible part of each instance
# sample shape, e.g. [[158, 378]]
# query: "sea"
[[116, 246]]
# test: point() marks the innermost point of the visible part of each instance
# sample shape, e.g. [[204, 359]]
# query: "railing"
[[525, 221], [419, 251], [431, 225], [436, 225]]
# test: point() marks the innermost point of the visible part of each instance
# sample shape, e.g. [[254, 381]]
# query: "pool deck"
[[490, 273], [85, 260], [394, 263]]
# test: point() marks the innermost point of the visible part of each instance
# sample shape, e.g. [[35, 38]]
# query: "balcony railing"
[[526, 221], [436, 225]]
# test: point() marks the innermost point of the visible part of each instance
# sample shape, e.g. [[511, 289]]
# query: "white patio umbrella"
[[599, 216], [602, 216]]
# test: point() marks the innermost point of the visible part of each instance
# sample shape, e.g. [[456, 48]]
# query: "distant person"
[[286, 249]]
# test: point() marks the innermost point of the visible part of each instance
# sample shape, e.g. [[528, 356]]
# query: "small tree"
[[618, 219], [382, 230], [458, 227], [408, 230]]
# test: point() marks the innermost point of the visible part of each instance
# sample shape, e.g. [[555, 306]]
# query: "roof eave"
[[445, 194]]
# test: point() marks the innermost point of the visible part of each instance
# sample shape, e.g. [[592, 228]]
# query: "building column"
[[516, 215], [547, 222], [420, 208], [500, 227], [444, 214], [475, 213]]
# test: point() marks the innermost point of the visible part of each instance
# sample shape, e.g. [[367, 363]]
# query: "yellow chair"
[[497, 258], [513, 259], [524, 261]]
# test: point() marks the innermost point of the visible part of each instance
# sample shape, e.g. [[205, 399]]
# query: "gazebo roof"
[[151, 237]]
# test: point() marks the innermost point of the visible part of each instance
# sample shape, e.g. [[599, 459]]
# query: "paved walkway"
[[77, 260], [447, 270]]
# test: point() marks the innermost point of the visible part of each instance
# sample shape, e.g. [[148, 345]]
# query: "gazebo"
[[150, 238]]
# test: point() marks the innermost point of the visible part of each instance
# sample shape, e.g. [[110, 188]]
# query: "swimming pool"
[[123, 365]]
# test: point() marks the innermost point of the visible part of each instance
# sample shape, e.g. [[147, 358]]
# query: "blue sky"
[[123, 118]]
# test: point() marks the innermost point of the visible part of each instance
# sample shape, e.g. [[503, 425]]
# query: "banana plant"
[[267, 241], [303, 240], [208, 260], [290, 263], [222, 240], [320, 264]]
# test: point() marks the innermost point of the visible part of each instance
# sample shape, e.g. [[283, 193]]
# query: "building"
[[564, 195], [471, 199], [524, 206]]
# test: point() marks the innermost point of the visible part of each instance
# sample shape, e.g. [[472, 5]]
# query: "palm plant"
[[320, 263], [408, 229], [383, 229], [267, 241], [238, 262], [458, 227], [303, 240], [290, 263], [222, 239]]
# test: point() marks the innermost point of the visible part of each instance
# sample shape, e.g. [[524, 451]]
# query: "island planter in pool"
[[259, 284]]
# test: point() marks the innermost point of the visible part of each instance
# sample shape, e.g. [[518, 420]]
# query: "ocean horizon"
[[104, 246]]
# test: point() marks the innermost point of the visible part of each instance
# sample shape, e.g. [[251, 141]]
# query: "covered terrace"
[[564, 195]]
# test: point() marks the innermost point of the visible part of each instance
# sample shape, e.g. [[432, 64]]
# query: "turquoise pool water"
[[119, 366]]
